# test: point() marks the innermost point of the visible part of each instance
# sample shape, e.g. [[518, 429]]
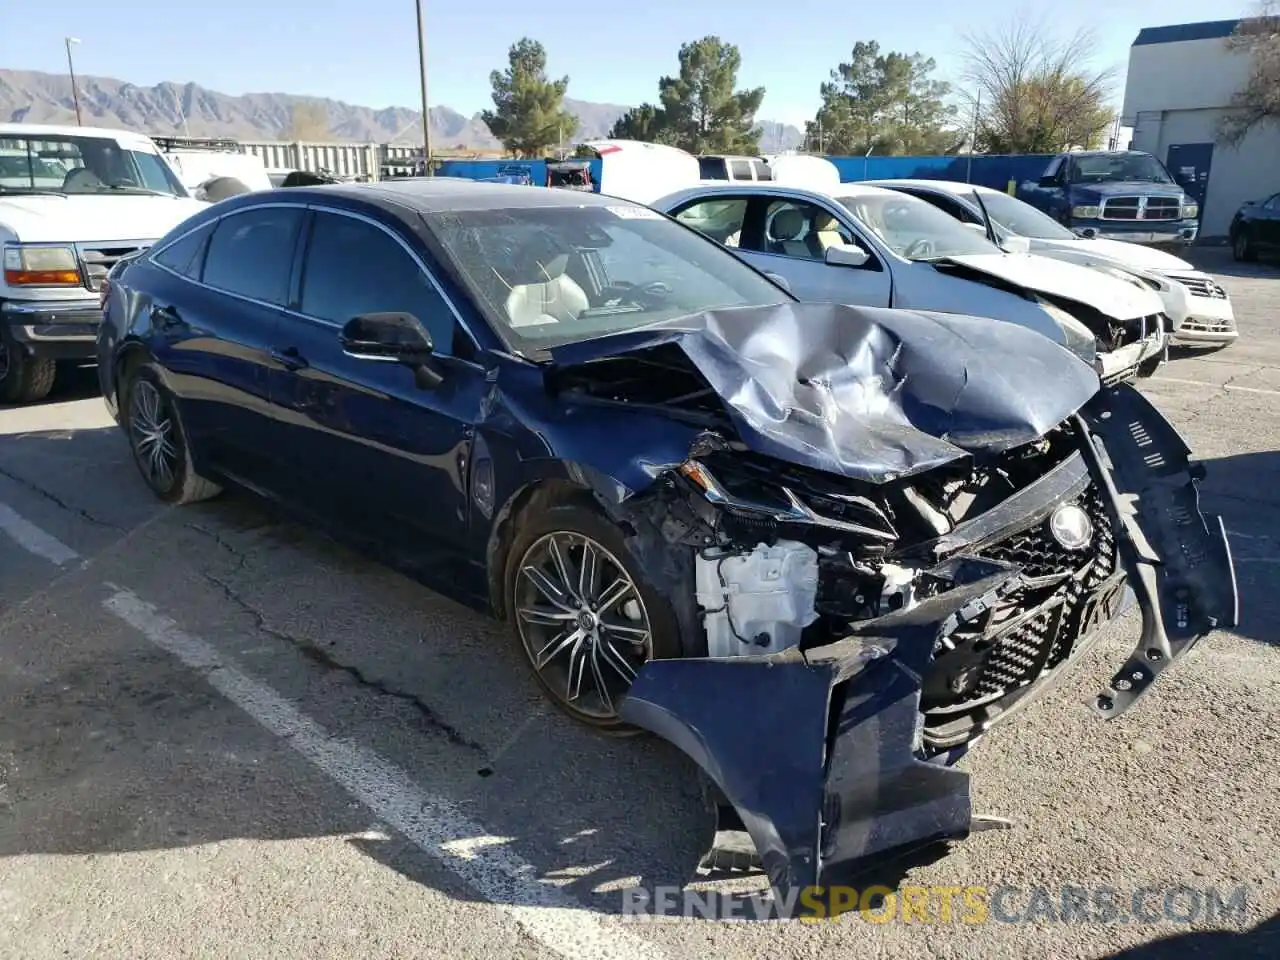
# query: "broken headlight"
[[783, 505]]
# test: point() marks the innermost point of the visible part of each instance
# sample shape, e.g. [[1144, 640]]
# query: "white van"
[[73, 202], [642, 172]]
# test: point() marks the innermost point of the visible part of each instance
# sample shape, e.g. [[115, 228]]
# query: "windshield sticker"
[[634, 213]]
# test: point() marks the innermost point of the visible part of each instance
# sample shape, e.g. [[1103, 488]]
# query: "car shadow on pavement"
[[1263, 941], [1244, 490]]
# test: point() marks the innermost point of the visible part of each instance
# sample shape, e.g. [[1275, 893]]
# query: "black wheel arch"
[[666, 564], [129, 356]]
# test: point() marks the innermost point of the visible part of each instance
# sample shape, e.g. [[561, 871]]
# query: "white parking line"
[[34, 540], [1217, 386], [432, 824]]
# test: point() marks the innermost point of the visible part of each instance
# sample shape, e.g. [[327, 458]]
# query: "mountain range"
[[188, 109]]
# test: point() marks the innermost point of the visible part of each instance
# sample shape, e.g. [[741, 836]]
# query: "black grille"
[[1047, 637]]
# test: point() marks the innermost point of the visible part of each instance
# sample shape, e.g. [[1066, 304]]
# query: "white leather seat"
[[826, 231], [786, 229], [555, 299]]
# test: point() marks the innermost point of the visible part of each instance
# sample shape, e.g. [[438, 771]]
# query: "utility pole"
[[973, 139], [422, 76], [75, 96]]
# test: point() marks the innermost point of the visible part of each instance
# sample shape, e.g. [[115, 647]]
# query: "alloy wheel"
[[152, 431], [582, 621]]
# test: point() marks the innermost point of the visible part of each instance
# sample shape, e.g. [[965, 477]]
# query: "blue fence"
[[993, 171]]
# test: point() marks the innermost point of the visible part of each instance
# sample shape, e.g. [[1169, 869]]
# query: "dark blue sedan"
[[820, 548]]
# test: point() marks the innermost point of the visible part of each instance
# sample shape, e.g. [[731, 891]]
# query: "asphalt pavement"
[[222, 734]]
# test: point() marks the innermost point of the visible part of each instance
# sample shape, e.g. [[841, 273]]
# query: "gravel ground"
[[222, 734]]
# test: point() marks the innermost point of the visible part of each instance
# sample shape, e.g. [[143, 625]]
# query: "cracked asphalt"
[[222, 734]]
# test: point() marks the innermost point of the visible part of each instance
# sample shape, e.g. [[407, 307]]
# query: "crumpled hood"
[[1106, 294], [94, 218], [1100, 250], [865, 392]]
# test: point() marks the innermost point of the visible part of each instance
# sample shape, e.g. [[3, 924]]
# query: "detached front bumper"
[[59, 330], [1116, 366], [822, 754]]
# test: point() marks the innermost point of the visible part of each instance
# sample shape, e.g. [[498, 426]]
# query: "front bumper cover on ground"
[[820, 753]]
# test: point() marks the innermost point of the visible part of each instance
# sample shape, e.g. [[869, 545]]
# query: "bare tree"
[[308, 120], [1257, 103], [1034, 91]]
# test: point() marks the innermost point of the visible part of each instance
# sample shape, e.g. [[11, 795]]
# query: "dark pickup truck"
[[1115, 194]]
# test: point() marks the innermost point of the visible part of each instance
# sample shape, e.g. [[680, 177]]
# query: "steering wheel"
[[922, 248], [642, 295]]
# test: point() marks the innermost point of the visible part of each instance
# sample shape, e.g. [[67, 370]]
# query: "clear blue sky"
[[365, 52]]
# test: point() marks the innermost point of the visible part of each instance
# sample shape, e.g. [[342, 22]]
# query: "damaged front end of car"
[[899, 537]]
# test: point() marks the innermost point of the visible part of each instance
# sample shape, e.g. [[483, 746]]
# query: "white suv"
[[73, 201]]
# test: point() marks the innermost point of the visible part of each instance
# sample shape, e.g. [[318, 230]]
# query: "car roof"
[[953, 187], [52, 130], [775, 189], [435, 194]]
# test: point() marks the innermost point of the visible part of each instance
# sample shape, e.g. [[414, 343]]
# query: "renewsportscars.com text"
[[1183, 904]]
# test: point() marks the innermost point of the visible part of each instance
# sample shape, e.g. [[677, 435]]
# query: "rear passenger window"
[[949, 206], [251, 253], [185, 255], [719, 218], [712, 168], [739, 170], [353, 268], [762, 169]]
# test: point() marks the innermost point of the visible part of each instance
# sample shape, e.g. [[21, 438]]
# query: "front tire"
[[149, 415], [584, 612], [24, 378]]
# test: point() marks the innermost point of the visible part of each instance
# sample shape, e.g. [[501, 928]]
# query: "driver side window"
[[802, 230]]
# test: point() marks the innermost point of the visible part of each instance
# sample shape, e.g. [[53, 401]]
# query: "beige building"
[[1181, 80]]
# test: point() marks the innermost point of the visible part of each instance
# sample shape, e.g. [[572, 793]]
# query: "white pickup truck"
[[73, 201]]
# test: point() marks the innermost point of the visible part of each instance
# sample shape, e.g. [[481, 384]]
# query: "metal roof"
[[1180, 32]]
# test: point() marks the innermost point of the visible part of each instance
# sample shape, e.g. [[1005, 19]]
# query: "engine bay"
[[786, 556]]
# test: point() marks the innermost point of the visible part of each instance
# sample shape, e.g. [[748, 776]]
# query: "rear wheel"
[[1242, 247], [159, 444], [24, 378], [584, 612]]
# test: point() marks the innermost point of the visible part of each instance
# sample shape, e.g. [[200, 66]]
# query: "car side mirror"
[[846, 255], [1050, 181], [780, 281], [1015, 244], [392, 338]]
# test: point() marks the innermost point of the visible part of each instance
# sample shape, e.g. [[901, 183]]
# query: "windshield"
[[915, 229], [553, 275], [79, 165], [1117, 168], [1021, 219]]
